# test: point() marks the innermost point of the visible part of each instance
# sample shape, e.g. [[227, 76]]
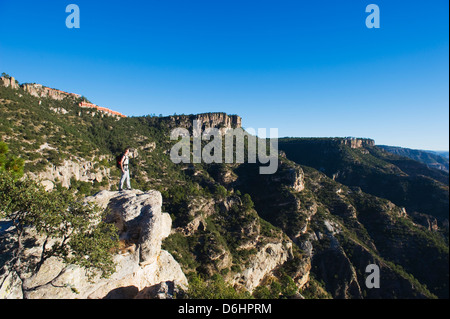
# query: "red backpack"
[[119, 161]]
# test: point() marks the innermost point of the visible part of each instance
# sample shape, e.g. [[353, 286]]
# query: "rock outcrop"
[[354, 142], [9, 82], [268, 258], [101, 109], [292, 177], [222, 121], [39, 90], [81, 170], [143, 268]]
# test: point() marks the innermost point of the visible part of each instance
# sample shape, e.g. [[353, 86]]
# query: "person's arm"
[[121, 164]]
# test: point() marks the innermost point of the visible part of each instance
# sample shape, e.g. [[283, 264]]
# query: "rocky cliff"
[[143, 269], [354, 142], [104, 110], [9, 82], [41, 91], [79, 169], [38, 90], [222, 121]]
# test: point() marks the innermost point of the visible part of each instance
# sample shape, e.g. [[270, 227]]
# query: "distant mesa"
[[38, 90], [355, 142], [352, 142]]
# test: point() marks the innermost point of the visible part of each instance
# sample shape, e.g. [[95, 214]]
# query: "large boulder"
[[140, 262], [139, 219]]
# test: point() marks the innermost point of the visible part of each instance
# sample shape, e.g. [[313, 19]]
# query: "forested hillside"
[[308, 230]]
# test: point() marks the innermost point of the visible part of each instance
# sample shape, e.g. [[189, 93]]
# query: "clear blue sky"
[[308, 68]]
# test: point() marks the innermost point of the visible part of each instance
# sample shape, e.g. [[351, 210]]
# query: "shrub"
[[214, 288]]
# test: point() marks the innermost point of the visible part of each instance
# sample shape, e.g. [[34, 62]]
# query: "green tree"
[[247, 202], [59, 225], [9, 163], [220, 191], [213, 288]]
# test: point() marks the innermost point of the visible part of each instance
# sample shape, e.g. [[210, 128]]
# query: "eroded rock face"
[[221, 121], [141, 264], [5, 81], [357, 142], [39, 90], [81, 170], [263, 263], [139, 219]]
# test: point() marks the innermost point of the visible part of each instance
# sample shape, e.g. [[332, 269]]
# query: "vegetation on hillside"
[[348, 215]]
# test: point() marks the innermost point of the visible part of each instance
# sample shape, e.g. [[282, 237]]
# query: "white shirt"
[[125, 163]]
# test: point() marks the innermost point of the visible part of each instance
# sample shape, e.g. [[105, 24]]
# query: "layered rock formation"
[[101, 109], [326, 144], [81, 170], [268, 258], [39, 90], [222, 121], [9, 82], [142, 270], [290, 176], [354, 142]]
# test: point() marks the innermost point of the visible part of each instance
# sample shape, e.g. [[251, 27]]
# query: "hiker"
[[125, 170]]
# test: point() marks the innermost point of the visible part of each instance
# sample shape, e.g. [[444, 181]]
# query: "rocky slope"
[[340, 232], [405, 182]]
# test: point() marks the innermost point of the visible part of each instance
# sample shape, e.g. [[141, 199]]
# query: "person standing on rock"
[[124, 163]]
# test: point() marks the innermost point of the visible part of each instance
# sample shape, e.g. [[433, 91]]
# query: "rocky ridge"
[[37, 90]]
